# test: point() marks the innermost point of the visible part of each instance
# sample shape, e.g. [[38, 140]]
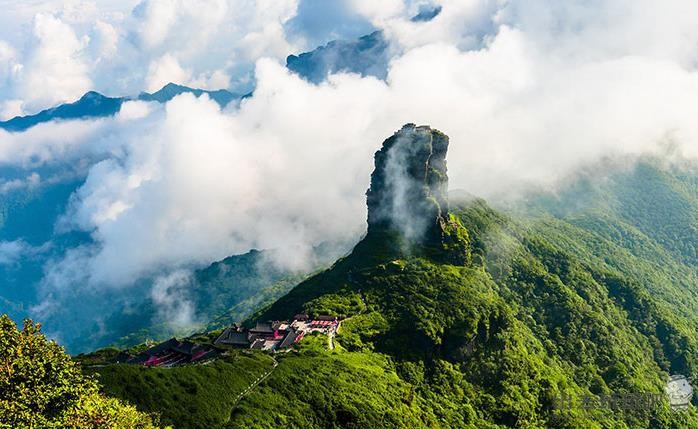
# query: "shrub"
[[41, 386]]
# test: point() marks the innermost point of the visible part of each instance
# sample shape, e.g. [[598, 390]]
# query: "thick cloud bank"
[[54, 51], [528, 91]]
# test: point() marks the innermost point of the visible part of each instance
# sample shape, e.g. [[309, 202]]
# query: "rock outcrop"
[[408, 199]]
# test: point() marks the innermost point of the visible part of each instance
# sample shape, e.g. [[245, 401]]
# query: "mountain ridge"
[[361, 56], [95, 105]]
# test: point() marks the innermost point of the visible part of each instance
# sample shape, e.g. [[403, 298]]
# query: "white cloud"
[[105, 41], [30, 182], [208, 42], [14, 252], [120, 49], [210, 184], [11, 252], [291, 165], [267, 37], [79, 11], [215, 80], [55, 70], [156, 19], [527, 91], [465, 24], [132, 110], [11, 108], [55, 142], [164, 70], [10, 68], [170, 294], [379, 11], [8, 63]]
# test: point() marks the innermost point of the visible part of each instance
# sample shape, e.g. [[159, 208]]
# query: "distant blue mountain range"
[[96, 105], [367, 56], [426, 13], [171, 90]]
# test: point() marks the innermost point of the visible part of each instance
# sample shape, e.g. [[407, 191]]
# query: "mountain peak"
[[91, 95], [367, 56], [427, 13], [409, 185], [171, 85]]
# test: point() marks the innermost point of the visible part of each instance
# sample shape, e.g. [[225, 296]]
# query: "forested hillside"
[[487, 321]]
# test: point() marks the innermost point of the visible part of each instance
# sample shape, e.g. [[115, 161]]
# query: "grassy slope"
[[186, 397], [315, 386]]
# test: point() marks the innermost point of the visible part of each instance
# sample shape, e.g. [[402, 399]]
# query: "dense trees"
[[199, 396], [41, 387]]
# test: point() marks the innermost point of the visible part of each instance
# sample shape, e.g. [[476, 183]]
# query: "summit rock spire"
[[408, 196]]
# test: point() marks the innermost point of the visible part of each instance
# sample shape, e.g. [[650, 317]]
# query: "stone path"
[[331, 334], [255, 383]]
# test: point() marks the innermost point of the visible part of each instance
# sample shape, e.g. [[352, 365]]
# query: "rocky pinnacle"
[[408, 192]]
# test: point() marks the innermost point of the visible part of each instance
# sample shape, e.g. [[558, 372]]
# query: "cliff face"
[[409, 185]]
